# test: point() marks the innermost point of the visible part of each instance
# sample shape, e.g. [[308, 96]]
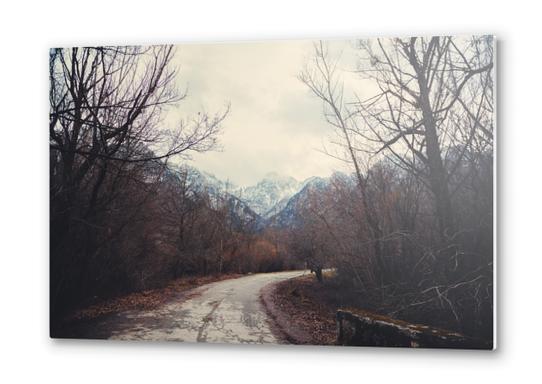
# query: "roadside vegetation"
[[412, 236], [408, 231], [122, 218]]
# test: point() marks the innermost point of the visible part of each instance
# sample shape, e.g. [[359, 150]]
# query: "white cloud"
[[275, 123]]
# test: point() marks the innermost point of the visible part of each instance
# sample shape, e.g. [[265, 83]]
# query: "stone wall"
[[360, 328]]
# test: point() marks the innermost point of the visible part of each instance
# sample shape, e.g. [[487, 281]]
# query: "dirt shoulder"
[[300, 312], [304, 310], [82, 318]]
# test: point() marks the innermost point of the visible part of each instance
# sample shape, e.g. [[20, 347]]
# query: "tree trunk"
[[318, 273], [438, 179]]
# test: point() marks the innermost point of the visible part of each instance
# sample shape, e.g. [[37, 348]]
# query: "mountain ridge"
[[273, 201]]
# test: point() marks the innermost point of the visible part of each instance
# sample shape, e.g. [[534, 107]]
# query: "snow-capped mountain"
[[289, 214], [271, 194], [274, 201], [203, 181], [201, 184]]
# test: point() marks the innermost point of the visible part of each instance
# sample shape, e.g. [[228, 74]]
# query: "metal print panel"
[[291, 192]]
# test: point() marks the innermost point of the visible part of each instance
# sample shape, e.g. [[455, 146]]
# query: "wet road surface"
[[227, 311]]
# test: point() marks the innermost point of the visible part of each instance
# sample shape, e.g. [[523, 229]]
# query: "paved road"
[[227, 311]]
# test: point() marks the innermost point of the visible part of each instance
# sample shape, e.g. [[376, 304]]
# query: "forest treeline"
[[412, 236], [409, 231], [121, 218]]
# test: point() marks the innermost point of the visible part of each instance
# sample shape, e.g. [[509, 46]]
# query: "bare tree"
[[428, 90], [324, 82], [418, 132], [107, 131], [433, 95]]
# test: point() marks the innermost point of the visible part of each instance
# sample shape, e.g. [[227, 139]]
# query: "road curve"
[[227, 311]]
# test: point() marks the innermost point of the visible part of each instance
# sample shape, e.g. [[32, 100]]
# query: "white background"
[[28, 30]]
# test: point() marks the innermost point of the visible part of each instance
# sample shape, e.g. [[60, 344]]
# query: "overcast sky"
[[275, 123]]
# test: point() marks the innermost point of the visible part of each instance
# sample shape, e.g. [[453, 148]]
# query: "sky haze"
[[275, 123]]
